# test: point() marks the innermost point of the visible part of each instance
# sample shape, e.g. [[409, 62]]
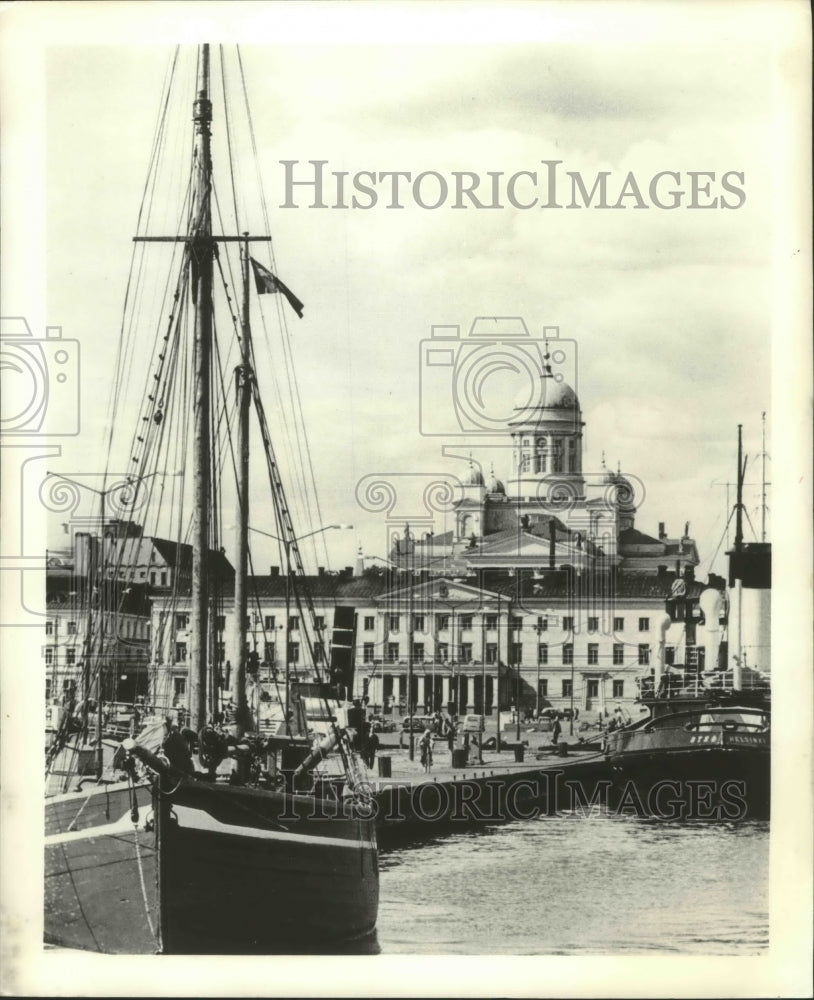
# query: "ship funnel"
[[663, 625], [711, 603]]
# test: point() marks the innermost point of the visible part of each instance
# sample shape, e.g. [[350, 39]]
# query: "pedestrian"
[[451, 737], [555, 732], [371, 746], [425, 745]]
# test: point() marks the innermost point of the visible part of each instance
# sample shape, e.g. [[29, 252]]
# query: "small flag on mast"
[[265, 281]]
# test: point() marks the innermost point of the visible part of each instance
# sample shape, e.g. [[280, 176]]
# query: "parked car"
[[382, 725], [471, 724], [416, 723]]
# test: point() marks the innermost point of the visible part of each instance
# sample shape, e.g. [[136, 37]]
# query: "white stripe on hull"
[[115, 829], [199, 819]]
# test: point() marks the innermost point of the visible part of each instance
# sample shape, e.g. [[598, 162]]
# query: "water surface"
[[569, 885]]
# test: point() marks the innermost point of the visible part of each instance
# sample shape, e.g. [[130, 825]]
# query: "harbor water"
[[568, 885]]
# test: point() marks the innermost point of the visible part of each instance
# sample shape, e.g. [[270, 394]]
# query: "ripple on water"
[[574, 885]]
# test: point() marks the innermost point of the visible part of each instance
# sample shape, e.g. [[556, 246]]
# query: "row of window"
[[269, 623], [126, 626], [269, 652], [393, 652], [70, 655], [567, 687], [491, 623], [442, 622]]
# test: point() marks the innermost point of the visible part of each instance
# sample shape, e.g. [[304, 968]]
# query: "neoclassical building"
[[543, 594]]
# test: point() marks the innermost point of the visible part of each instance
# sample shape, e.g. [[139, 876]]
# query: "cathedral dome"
[[475, 477], [549, 400], [549, 394]]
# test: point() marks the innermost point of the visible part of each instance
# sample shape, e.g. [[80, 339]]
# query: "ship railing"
[[700, 684]]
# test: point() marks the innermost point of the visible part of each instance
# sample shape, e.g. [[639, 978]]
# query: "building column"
[[398, 691], [445, 691]]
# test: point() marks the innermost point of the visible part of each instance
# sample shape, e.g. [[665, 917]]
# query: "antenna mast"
[[763, 479], [739, 498]]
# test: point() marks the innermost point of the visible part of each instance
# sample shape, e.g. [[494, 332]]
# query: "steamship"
[[704, 749]]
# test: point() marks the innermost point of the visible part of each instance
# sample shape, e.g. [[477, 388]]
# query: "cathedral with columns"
[[549, 513]]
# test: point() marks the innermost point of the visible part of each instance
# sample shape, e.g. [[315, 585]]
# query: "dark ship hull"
[[710, 763], [207, 869]]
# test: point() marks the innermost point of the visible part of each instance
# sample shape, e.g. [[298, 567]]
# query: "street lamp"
[[287, 543]]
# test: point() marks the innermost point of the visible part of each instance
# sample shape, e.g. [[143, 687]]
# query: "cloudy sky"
[[671, 310]]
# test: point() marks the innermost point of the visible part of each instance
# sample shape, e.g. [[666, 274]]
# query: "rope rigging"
[[152, 377]]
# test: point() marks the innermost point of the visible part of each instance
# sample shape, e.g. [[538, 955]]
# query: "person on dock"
[[371, 746], [425, 745], [556, 730]]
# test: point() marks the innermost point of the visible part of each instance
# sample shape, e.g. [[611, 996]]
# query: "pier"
[[494, 788]]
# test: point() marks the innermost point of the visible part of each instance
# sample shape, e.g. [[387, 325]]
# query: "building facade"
[[465, 644]]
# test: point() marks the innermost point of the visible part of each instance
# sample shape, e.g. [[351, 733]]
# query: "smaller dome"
[[475, 477], [495, 485]]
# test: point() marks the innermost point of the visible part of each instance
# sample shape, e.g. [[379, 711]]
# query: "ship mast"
[[763, 479], [244, 388], [739, 498], [201, 243], [201, 253], [736, 653]]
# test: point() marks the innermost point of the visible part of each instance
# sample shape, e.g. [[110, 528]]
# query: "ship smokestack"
[[711, 603], [663, 625]]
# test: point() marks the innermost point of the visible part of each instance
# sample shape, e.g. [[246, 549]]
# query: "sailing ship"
[[704, 749], [199, 835]]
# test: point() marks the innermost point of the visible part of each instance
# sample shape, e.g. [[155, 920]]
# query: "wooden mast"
[[201, 254], [244, 390], [201, 248]]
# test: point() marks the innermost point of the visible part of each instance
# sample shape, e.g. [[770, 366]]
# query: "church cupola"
[[546, 433]]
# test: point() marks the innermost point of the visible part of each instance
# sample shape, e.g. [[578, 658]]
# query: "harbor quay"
[[530, 779]]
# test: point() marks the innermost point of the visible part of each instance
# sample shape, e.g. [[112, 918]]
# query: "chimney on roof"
[[347, 571], [274, 571], [320, 571], [662, 532]]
